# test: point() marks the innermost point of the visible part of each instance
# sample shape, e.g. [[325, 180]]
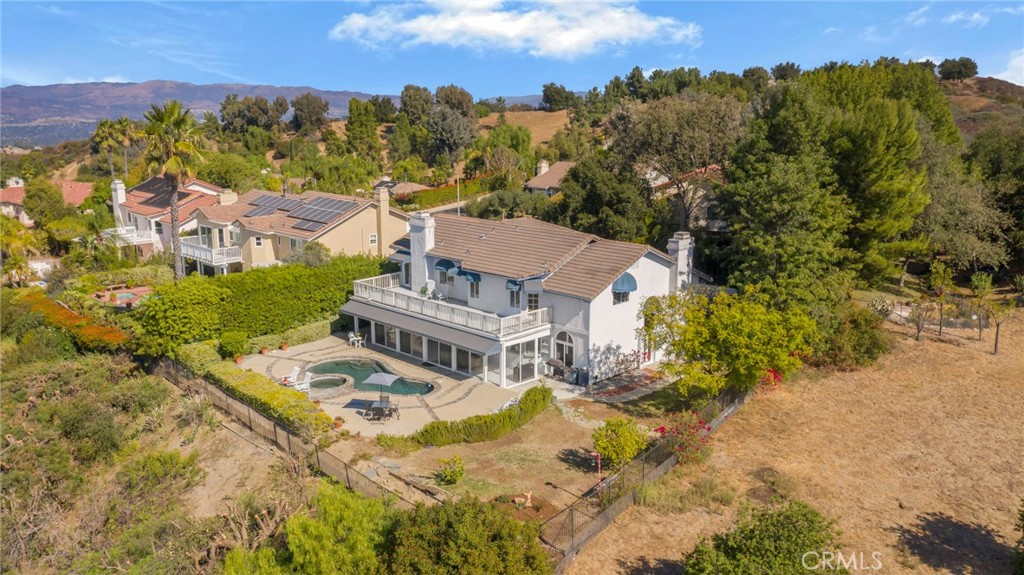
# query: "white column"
[[502, 382]]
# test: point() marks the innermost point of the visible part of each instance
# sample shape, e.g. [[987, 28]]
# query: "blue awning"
[[472, 277], [444, 265], [513, 285], [625, 283]]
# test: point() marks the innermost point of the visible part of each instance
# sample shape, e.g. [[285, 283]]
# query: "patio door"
[[433, 352]]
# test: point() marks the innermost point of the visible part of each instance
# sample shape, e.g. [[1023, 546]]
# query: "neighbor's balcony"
[[387, 290], [192, 247], [128, 236]]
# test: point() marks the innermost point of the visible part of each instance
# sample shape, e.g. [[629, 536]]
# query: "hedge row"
[[487, 427], [257, 302], [295, 336], [198, 357], [89, 335], [151, 276], [439, 196], [291, 407]]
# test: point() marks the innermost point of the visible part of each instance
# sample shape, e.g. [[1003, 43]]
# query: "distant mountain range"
[[47, 115]]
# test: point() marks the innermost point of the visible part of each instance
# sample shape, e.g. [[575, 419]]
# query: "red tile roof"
[[153, 198], [74, 192], [13, 195]]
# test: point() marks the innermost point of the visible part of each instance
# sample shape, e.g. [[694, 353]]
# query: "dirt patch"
[[919, 458], [542, 125]]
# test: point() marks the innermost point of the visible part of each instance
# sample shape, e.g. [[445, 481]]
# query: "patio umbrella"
[[381, 379]]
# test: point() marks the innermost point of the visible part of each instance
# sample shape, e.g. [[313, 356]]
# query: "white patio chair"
[[292, 377], [352, 338]]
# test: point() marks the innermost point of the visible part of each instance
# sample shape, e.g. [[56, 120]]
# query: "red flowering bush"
[[89, 335], [688, 434], [771, 378]]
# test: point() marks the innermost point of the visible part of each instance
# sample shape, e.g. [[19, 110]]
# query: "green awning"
[[625, 283], [444, 265]]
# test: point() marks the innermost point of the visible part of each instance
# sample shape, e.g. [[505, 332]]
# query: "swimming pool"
[[359, 370]]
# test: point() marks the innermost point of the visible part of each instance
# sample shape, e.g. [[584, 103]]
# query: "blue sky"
[[488, 46]]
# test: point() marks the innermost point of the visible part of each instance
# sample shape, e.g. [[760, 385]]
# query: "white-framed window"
[[474, 290], [442, 277], [220, 237], [515, 298], [206, 236], [619, 297], [295, 245], [565, 350], [257, 241], [158, 226], [533, 301], [373, 239], [407, 273], [236, 237]]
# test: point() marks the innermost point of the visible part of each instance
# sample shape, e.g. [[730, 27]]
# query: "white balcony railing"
[[192, 247], [386, 290], [128, 236]]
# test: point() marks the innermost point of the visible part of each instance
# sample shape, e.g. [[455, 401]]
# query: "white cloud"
[[545, 29], [1014, 69], [1012, 10], [871, 35], [831, 30], [917, 17], [117, 78], [57, 11], [969, 20]]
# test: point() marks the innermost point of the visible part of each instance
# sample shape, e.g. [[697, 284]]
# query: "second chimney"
[[680, 247]]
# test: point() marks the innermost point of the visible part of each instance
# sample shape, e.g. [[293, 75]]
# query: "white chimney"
[[421, 240], [542, 166], [117, 197], [383, 196], [227, 197], [680, 247]]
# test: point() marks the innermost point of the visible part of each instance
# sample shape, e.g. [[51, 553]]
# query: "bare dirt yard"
[[920, 458]]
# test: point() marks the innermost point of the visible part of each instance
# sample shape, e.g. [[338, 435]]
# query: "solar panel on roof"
[[260, 211], [277, 202], [307, 225], [315, 214]]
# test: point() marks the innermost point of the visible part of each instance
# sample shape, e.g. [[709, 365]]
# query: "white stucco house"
[[509, 301]]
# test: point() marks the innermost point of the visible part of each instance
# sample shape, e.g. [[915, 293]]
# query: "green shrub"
[[93, 430], [857, 340], [272, 341], [463, 537], [155, 471], [451, 471], [44, 344], [149, 275], [183, 312], [198, 357], [619, 440], [309, 332], [486, 427], [288, 406], [767, 540], [233, 344], [400, 445]]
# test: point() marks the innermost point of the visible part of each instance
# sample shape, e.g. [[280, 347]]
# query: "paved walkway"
[[628, 386], [454, 397]]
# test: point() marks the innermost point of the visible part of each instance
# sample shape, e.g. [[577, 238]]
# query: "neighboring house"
[[509, 301], [700, 181], [12, 198], [262, 228], [399, 188], [143, 213], [549, 179]]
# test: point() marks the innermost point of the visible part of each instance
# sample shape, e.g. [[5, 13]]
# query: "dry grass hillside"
[[920, 458], [542, 125], [981, 102]]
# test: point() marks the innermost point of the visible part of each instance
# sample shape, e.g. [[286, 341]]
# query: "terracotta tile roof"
[[74, 192], [187, 210], [551, 178], [13, 195], [589, 272], [153, 198], [278, 222], [401, 188]]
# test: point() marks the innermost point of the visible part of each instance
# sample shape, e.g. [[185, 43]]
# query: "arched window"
[[564, 350]]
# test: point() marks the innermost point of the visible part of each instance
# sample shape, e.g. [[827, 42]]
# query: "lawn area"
[[918, 457]]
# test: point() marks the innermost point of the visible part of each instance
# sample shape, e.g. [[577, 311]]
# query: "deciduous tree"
[[44, 201], [310, 113]]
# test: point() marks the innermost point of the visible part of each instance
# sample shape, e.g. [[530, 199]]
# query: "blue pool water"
[[359, 370]]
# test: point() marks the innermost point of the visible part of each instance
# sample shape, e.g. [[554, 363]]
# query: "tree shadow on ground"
[[648, 566], [578, 459], [942, 542]]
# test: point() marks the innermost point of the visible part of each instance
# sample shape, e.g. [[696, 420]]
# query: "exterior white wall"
[[613, 327]]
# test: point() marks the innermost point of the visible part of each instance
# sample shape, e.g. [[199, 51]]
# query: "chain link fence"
[[568, 531], [277, 433]]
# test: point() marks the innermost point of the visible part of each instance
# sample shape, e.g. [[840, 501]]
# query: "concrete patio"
[[454, 397]]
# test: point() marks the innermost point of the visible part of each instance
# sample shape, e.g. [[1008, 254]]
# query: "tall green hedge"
[[487, 427], [257, 302]]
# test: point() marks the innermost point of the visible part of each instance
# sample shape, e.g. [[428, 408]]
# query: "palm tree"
[[126, 136], [18, 243], [174, 149], [105, 139]]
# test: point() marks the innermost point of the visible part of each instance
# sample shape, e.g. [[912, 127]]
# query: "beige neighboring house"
[[549, 177], [262, 228], [143, 213]]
